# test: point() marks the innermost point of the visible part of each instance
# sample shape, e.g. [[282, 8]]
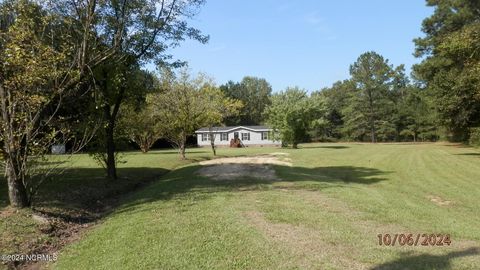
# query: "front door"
[[235, 135]]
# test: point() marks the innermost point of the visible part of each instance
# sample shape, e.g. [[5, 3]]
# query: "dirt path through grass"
[[232, 168]]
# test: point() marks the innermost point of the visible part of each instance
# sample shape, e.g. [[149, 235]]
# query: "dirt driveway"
[[240, 167]]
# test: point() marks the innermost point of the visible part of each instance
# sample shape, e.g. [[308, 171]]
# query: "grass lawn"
[[322, 212], [77, 198]]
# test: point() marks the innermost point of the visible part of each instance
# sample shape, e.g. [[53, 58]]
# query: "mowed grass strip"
[[77, 196], [324, 213]]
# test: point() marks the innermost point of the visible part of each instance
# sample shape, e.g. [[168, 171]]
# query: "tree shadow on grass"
[[468, 154], [186, 181], [82, 195], [78, 194], [325, 147], [426, 261], [176, 152], [339, 174]]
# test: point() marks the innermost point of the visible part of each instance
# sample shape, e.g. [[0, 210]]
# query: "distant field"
[[322, 211]]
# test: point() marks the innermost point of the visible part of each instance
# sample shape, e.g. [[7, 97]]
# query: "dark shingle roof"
[[225, 129]]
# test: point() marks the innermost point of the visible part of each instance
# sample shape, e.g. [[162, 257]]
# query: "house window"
[[264, 135], [245, 136], [224, 137], [205, 137]]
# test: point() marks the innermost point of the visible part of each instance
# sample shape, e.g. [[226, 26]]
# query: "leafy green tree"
[[451, 60], [36, 76], [49, 51], [135, 32], [141, 126], [219, 108], [402, 110], [115, 85], [406, 112], [182, 106], [255, 95], [336, 99], [419, 119], [292, 114], [371, 75], [396, 114]]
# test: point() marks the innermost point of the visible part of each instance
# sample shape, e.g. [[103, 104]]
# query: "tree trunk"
[[372, 131], [372, 117], [146, 143], [182, 145], [17, 193], [397, 134], [110, 114], [110, 151], [295, 145], [110, 144], [212, 142], [213, 148], [182, 151]]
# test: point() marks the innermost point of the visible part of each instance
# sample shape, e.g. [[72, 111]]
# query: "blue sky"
[[304, 43]]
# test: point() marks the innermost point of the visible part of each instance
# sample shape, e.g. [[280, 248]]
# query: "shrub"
[[475, 137]]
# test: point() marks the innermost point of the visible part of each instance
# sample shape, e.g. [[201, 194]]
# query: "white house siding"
[[255, 138]]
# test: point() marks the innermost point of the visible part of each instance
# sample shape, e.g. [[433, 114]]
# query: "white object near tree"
[[58, 149]]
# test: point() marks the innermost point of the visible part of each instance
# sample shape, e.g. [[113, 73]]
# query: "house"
[[237, 136]]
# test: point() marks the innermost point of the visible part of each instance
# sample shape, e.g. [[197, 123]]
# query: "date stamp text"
[[410, 239]]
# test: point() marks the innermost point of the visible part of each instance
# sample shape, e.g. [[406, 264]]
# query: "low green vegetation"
[[322, 212], [78, 197]]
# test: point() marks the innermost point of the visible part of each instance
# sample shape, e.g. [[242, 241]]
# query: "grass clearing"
[[323, 212]]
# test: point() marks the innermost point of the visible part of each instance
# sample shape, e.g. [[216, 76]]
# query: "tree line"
[[377, 104]]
